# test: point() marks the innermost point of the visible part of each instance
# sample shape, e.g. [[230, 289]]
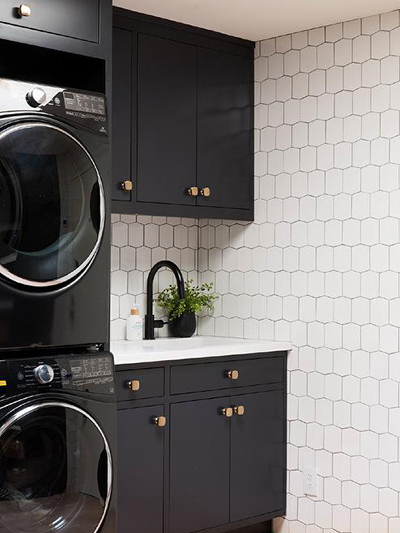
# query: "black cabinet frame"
[[128, 26], [255, 524]]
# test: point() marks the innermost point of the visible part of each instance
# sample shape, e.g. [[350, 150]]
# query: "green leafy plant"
[[197, 298]]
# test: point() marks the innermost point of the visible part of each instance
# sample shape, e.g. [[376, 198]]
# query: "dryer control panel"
[[84, 373]]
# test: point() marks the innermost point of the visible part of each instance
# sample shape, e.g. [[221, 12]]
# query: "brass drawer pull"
[[227, 411], [126, 185], [24, 10], [160, 421], [239, 410], [206, 192], [134, 385], [193, 191], [233, 374]]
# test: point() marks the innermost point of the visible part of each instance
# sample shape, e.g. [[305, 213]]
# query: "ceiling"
[[259, 19]]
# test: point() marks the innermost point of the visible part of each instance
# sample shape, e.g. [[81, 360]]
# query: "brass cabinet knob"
[[160, 421], [206, 192], [233, 374], [126, 185], [227, 411], [134, 385], [193, 191], [239, 410], [24, 10]]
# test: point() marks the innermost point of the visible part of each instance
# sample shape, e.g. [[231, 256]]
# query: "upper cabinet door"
[[166, 121], [122, 133], [258, 468], [224, 143]]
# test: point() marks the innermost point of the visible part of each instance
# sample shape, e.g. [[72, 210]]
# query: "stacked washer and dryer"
[[57, 398]]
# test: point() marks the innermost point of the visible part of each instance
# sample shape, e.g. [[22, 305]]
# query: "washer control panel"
[[85, 373]]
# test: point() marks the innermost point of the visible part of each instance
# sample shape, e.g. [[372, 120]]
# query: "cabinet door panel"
[[140, 470], [122, 145], [224, 129], [258, 455], [166, 158], [71, 18], [199, 465]]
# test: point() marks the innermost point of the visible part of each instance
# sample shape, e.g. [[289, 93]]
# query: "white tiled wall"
[[321, 264], [137, 243]]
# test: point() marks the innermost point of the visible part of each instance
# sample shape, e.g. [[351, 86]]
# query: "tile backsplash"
[[320, 265], [137, 243]]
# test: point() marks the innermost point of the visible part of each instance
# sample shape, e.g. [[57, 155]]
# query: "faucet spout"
[[149, 322]]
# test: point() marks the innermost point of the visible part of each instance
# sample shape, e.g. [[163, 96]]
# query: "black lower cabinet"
[[257, 455], [212, 461], [199, 465], [140, 470]]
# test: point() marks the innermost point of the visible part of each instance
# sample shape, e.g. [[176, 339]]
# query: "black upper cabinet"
[[78, 26], [123, 141], [224, 128], [166, 120], [73, 18], [186, 95]]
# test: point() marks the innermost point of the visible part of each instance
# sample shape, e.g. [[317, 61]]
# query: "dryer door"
[[52, 205], [55, 470]]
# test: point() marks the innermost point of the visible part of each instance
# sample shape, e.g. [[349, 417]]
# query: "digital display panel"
[[85, 103]]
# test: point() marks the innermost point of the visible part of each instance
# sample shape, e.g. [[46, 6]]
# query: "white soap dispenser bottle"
[[134, 326]]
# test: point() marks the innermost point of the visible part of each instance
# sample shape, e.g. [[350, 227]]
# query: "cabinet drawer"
[[70, 18], [147, 383], [230, 374]]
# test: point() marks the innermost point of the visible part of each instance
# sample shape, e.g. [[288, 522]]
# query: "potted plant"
[[182, 312]]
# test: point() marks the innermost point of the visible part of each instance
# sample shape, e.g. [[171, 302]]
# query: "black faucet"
[[149, 322]]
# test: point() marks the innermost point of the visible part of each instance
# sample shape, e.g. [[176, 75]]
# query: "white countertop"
[[171, 349]]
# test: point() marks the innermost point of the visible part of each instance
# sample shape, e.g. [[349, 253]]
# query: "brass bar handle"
[[239, 410], [205, 192], [134, 385], [193, 191], [227, 412], [126, 185], [160, 421], [232, 374], [24, 10]]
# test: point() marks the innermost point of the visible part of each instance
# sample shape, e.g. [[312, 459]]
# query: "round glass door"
[[55, 471], [51, 205]]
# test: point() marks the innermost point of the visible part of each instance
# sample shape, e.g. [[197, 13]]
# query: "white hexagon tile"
[[320, 265], [137, 243]]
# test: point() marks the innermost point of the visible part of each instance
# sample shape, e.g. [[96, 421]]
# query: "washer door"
[[55, 471], [51, 205]]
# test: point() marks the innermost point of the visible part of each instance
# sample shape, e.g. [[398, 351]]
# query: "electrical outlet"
[[310, 482]]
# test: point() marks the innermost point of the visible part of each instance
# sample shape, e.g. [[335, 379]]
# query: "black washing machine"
[[57, 444], [54, 226]]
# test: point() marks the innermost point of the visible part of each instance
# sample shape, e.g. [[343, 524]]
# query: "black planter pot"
[[184, 326]]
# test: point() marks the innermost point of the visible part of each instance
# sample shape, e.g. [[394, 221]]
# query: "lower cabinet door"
[[199, 465], [140, 470], [258, 454]]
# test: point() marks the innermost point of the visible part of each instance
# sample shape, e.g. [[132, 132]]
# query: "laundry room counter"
[[172, 349]]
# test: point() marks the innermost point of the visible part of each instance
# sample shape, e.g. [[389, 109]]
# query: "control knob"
[[44, 374], [36, 97]]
